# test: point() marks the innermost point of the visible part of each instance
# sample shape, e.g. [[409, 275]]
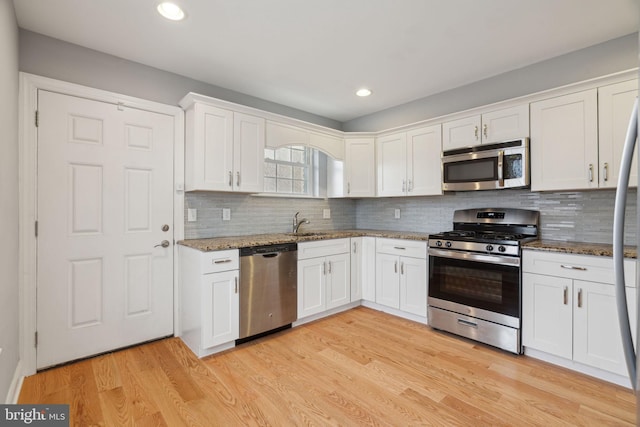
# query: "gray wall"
[[8, 196], [49, 57], [595, 61]]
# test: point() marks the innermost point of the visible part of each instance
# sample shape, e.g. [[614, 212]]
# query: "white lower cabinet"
[[569, 308], [209, 299], [324, 276], [363, 269], [401, 275]]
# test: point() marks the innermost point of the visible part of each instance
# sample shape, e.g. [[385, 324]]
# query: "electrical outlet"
[[192, 215], [326, 213], [226, 214], [396, 213]]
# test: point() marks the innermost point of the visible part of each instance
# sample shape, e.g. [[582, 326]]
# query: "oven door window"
[[476, 170], [490, 287]]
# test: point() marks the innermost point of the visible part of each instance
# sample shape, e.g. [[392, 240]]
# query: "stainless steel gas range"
[[475, 278]]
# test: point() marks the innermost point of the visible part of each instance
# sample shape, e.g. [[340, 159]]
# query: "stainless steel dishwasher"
[[268, 288]]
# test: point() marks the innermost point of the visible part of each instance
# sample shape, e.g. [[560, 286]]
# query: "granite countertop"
[[235, 242], [581, 248]]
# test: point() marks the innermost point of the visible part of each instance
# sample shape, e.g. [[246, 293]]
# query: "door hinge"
[[37, 118], [36, 339], [36, 227]]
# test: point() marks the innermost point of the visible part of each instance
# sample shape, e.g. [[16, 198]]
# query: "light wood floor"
[[360, 367]]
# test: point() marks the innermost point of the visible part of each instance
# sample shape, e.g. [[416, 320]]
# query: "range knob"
[[502, 248], [448, 244], [438, 243], [489, 248]]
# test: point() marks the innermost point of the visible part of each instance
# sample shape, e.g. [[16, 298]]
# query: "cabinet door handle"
[[329, 267], [221, 261], [475, 132], [230, 179], [348, 188], [590, 172], [580, 298], [410, 187], [324, 268], [238, 179], [404, 185], [573, 267], [395, 266], [485, 131], [605, 172], [402, 268], [236, 285], [355, 247], [566, 295]]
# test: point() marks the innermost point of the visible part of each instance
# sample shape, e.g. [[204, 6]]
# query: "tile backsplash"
[[573, 216], [258, 215]]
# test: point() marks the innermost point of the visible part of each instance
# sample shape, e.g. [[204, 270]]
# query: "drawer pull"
[[221, 261], [566, 295], [467, 323], [400, 248], [573, 267]]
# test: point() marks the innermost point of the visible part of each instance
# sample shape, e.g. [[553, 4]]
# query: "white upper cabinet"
[[564, 142], [360, 167], [392, 164], [409, 163], [424, 148], [615, 103], [494, 126], [248, 153], [224, 150]]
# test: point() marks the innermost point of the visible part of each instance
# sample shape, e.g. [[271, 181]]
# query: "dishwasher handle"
[[271, 255]]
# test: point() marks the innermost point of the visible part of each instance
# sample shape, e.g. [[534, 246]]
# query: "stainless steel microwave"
[[487, 167]]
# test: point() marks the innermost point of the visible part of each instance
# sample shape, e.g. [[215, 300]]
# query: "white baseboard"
[[16, 385], [578, 367]]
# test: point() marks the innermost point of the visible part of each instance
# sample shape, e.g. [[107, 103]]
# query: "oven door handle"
[[477, 257]]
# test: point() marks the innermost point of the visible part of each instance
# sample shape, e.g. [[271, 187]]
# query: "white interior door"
[[105, 200]]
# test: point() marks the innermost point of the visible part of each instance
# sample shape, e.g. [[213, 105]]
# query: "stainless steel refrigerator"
[[633, 362]]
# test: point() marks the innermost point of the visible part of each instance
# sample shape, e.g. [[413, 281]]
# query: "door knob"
[[164, 244], [165, 227]]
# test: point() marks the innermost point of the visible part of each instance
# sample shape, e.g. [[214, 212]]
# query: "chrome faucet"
[[296, 224]]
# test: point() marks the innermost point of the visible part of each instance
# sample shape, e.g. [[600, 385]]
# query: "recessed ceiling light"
[[171, 11], [363, 92]]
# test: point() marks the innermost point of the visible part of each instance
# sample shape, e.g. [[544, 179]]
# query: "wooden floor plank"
[[359, 367]]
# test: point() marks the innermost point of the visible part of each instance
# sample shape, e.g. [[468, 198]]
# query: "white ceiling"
[[313, 54]]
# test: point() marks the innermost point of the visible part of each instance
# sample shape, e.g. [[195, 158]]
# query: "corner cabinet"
[[409, 163], [360, 167], [224, 150], [324, 276], [569, 308], [493, 126], [363, 269], [209, 300], [401, 275]]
